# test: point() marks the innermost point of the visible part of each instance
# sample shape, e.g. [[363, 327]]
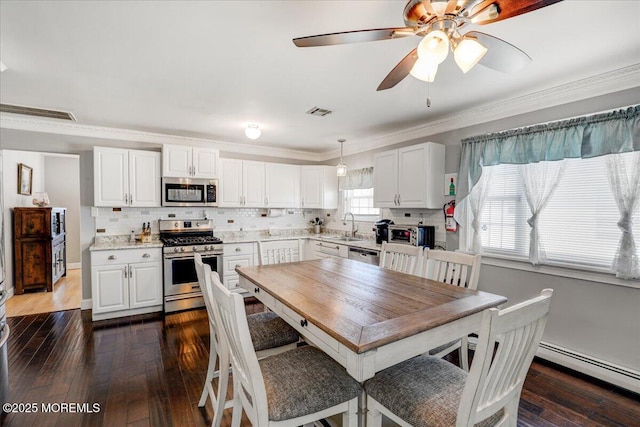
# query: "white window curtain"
[[625, 186], [477, 199], [539, 180], [357, 179]]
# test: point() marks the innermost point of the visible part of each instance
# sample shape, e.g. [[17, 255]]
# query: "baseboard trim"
[[86, 304], [74, 265], [603, 370]]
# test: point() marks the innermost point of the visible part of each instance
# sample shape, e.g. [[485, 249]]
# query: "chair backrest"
[[202, 271], [402, 258], [280, 251], [495, 380], [236, 342], [454, 268]]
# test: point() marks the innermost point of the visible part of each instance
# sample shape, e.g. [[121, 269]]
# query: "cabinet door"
[[145, 284], [109, 288], [282, 185], [311, 186], [230, 184], [110, 176], [412, 172], [176, 161], [205, 162], [385, 179], [253, 184], [144, 178]]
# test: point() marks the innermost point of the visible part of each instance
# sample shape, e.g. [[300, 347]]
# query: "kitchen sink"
[[347, 239]]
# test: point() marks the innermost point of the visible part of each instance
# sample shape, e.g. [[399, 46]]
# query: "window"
[[578, 227], [360, 203]]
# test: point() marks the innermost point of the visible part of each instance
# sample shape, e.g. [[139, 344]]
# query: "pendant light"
[[341, 169], [252, 131]]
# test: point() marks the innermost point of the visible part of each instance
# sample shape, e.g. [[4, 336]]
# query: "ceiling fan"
[[439, 22]]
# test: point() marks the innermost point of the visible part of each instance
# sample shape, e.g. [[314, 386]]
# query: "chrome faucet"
[[353, 223]]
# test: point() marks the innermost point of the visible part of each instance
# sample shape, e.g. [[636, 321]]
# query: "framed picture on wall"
[[25, 179]]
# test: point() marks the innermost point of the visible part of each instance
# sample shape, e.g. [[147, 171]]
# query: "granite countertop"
[[107, 245]]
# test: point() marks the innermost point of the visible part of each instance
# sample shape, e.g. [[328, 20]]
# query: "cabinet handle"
[[238, 249], [126, 199], [146, 256], [130, 199], [238, 266], [331, 247], [302, 202], [111, 257], [399, 202], [266, 200], [304, 323], [130, 271], [256, 290], [125, 272]]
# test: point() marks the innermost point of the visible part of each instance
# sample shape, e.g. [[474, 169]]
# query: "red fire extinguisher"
[[449, 209]]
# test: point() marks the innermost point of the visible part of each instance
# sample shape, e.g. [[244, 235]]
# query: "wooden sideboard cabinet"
[[39, 249]]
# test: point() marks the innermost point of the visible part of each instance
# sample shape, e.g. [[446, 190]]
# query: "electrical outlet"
[[407, 215]]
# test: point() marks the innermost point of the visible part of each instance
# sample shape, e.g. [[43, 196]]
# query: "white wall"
[[62, 184], [10, 161]]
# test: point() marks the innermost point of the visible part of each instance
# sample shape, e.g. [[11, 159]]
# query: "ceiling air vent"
[[38, 112], [317, 111]]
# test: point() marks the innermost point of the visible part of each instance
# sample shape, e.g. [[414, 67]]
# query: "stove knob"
[[195, 249], [181, 249], [176, 249], [207, 248]]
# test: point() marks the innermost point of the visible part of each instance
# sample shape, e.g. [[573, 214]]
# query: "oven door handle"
[[190, 256]]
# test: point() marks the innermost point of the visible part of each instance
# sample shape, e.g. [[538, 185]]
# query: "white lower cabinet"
[[236, 255], [317, 250], [126, 282]]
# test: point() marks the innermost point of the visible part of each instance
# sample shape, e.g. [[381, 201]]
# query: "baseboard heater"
[[606, 371]]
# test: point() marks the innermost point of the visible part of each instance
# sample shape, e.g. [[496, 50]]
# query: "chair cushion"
[[424, 391], [303, 381], [443, 347], [270, 331]]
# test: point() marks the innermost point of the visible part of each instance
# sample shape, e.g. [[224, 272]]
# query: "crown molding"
[[602, 84], [17, 122]]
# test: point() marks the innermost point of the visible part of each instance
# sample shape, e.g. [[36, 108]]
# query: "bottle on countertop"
[[132, 236]]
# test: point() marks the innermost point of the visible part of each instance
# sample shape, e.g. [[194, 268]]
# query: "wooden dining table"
[[365, 317]]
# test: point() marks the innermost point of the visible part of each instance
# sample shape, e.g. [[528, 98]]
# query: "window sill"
[[558, 270]]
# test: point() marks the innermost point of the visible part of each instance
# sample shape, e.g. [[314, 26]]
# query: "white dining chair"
[[402, 258], [428, 391], [269, 335], [280, 251], [454, 268], [290, 389]]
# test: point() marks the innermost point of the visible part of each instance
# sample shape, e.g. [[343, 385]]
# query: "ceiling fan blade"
[[501, 55], [511, 8], [400, 71], [353, 37]]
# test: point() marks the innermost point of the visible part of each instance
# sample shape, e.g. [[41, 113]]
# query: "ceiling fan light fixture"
[[424, 70], [253, 131], [467, 53], [434, 47]]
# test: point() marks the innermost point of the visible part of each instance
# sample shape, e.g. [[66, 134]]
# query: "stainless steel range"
[[183, 238]]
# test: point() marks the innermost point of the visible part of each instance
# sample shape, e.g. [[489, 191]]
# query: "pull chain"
[[428, 95]]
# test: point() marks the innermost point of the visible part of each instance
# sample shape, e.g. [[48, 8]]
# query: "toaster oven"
[[416, 235]]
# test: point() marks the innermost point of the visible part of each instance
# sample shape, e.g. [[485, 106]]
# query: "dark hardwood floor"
[[149, 371]]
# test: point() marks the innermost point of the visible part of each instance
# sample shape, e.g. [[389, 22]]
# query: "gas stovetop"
[[190, 240]]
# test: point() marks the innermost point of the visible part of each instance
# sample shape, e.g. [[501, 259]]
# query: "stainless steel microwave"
[[189, 192]]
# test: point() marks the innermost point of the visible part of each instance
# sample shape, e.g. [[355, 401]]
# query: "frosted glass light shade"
[[253, 131], [434, 47], [468, 53], [341, 169], [424, 70]]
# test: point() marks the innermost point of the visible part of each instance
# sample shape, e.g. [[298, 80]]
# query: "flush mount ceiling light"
[[341, 168], [438, 23], [253, 131]]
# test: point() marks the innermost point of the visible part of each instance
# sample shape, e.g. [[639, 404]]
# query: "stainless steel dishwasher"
[[364, 255]]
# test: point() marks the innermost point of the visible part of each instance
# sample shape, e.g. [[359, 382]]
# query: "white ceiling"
[[206, 69]]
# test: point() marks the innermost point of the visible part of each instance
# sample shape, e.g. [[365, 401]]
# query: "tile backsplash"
[[112, 222]]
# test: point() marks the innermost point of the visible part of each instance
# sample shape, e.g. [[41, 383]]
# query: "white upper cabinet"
[[282, 185], [318, 187], [242, 183], [126, 177], [181, 161], [410, 177]]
